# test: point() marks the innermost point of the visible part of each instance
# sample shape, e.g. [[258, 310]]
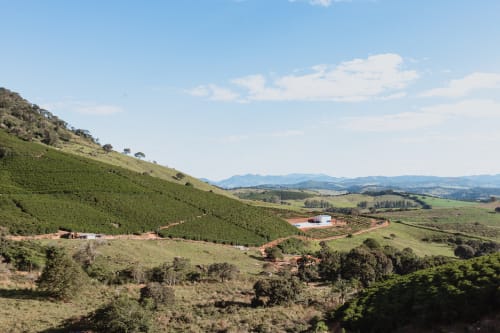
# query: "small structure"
[[323, 219], [88, 236]]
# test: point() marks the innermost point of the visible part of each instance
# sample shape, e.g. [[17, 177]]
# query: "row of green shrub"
[[460, 291], [43, 190]]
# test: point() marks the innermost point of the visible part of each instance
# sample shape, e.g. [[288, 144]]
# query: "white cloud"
[[424, 117], [88, 108], [214, 93], [465, 86], [376, 77]]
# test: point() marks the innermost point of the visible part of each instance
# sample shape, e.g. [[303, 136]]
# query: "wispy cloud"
[[87, 108], [379, 76], [214, 93], [322, 3], [465, 86], [424, 117]]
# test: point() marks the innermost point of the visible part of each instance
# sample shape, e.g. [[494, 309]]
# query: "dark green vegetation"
[[274, 196], [61, 278], [32, 123], [459, 291], [43, 190], [24, 256]]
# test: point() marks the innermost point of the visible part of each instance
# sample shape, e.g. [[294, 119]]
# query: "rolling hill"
[[69, 182], [32, 123]]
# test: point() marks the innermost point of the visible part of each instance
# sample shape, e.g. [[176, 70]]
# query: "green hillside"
[[43, 190], [29, 122], [459, 291]]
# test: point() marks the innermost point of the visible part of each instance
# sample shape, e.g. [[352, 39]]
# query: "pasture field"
[[475, 220], [400, 236], [120, 253], [436, 202]]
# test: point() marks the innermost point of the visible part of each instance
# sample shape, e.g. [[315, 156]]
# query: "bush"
[[463, 290], [62, 278], [278, 291], [123, 315], [273, 253], [158, 293]]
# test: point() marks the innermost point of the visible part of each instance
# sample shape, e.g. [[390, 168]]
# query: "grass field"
[[399, 236], [471, 219], [445, 203], [119, 254]]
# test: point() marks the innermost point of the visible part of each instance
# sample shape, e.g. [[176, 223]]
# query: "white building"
[[323, 219]]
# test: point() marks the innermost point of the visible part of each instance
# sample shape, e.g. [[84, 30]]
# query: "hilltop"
[[32, 123], [45, 188], [480, 187]]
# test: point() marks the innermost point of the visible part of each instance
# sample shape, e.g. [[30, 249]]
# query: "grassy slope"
[[405, 237], [87, 149], [469, 219], [44, 189], [120, 254], [445, 203]]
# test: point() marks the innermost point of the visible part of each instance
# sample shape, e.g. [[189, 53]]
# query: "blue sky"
[[223, 87]]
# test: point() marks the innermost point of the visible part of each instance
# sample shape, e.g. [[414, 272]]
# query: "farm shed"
[[322, 219]]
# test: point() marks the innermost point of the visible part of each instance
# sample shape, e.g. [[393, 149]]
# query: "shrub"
[[62, 278], [123, 315], [159, 293], [278, 291]]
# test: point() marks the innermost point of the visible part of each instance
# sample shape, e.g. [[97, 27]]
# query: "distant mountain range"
[[466, 187]]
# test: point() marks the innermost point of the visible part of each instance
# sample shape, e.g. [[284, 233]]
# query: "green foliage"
[[159, 294], [123, 315], [463, 290], [24, 256], [61, 277], [464, 251], [371, 243], [223, 271], [29, 122], [294, 246], [274, 195], [44, 190], [273, 253], [307, 269], [278, 291]]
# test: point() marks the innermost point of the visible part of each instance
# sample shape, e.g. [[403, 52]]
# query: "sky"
[[217, 88]]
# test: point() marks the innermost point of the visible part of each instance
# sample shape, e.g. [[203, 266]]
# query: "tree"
[[344, 288], [159, 293], [307, 269], [123, 315], [273, 253], [223, 271], [140, 155], [371, 243], [278, 291], [107, 148], [126, 151], [464, 251], [330, 264], [62, 278], [86, 255]]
